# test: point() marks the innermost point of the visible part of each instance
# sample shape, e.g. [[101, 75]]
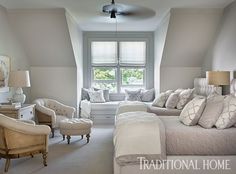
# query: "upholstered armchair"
[[19, 139], [51, 112]]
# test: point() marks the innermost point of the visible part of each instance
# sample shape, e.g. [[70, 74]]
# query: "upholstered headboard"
[[233, 87], [202, 88]]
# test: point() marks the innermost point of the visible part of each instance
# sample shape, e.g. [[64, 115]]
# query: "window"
[[118, 65]]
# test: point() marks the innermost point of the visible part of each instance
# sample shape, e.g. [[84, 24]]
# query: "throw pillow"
[[212, 111], [133, 95], [172, 100], [148, 95], [184, 97], [96, 96], [161, 99], [228, 116], [192, 111], [105, 93], [85, 94]]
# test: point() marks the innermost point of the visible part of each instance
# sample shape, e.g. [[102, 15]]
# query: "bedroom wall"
[[45, 36], [10, 46], [76, 37], [159, 39], [189, 36], [222, 55]]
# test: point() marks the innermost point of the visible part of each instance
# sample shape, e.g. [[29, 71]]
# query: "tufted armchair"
[[22, 138], [51, 112]]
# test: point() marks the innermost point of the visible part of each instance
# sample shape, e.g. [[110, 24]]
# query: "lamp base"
[[19, 97]]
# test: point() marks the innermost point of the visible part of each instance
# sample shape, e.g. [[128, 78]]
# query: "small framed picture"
[[4, 73]]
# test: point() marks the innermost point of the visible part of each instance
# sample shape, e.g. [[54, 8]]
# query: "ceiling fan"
[[133, 11]]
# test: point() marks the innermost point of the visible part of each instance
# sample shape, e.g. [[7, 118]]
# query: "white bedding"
[[138, 134]]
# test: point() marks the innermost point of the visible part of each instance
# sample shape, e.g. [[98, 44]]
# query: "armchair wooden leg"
[[63, 137], [52, 132], [68, 139], [8, 161], [45, 158], [82, 136], [88, 136]]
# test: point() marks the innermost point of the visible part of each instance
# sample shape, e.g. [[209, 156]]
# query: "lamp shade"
[[218, 77], [19, 79]]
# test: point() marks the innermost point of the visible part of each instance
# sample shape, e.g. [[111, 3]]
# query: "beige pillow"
[[212, 111], [161, 99], [184, 97], [193, 111], [172, 100], [228, 116]]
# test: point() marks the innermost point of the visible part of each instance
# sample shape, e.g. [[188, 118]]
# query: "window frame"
[[118, 67]]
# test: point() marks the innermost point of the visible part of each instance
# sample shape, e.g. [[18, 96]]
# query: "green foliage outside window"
[[104, 74], [132, 76]]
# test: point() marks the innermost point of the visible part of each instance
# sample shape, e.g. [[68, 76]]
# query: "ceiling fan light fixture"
[[113, 14]]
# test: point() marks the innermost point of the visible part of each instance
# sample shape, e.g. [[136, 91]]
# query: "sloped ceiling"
[[189, 36], [44, 35]]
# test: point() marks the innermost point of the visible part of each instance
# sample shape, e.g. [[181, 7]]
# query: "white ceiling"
[[87, 12]]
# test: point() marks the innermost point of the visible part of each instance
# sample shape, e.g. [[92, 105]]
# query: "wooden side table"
[[26, 112]]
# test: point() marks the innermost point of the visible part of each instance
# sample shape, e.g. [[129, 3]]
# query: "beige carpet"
[[76, 158]]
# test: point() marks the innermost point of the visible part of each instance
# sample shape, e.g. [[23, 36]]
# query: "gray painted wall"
[[189, 35], [10, 46], [45, 36], [222, 55], [160, 39], [76, 37]]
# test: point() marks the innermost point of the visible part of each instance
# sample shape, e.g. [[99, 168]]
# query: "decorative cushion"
[[192, 111], [105, 93], [161, 99], [172, 100], [85, 94], [184, 97], [133, 95], [148, 95], [96, 96], [228, 116], [212, 111]]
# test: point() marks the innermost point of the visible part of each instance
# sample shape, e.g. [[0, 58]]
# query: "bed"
[[205, 147]]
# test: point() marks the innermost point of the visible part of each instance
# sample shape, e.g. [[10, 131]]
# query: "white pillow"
[[192, 111], [161, 99], [96, 96], [148, 95], [212, 111], [228, 116], [172, 100], [184, 97]]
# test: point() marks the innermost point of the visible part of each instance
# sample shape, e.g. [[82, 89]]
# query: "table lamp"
[[19, 79]]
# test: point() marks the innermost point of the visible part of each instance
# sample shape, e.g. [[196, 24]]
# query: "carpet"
[[78, 157]]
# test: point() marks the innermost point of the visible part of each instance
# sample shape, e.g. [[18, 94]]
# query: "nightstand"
[[26, 112]]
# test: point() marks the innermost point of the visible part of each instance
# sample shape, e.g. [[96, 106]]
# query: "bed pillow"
[[161, 99], [105, 93], [228, 116], [212, 111], [96, 96], [133, 95], [192, 111], [184, 97], [148, 95], [172, 100]]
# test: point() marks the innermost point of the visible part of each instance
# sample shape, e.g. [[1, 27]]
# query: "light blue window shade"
[[132, 53], [104, 53]]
